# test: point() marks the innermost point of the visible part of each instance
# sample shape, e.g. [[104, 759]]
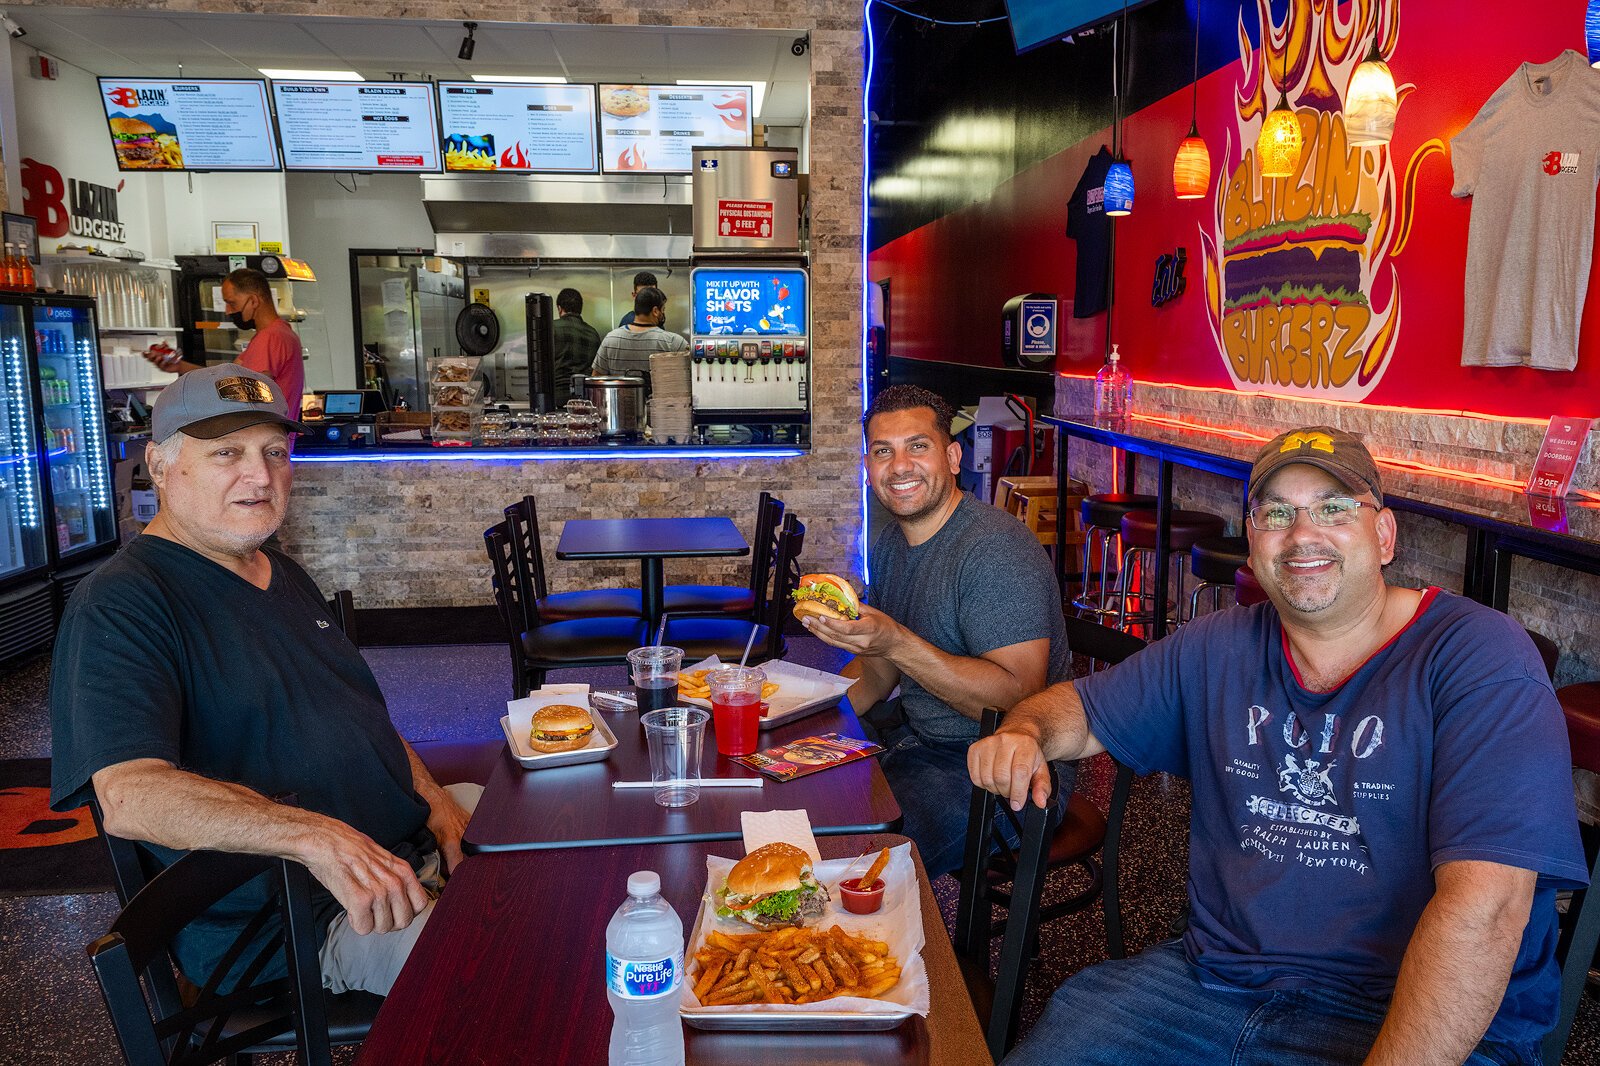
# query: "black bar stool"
[[1102, 524], [1214, 561], [1184, 528], [1246, 589]]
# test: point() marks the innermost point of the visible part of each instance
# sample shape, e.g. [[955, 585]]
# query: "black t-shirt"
[[164, 654], [1088, 224]]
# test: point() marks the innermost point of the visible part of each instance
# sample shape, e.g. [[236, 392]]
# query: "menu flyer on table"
[[801, 757], [357, 127], [193, 124], [509, 126], [655, 128]]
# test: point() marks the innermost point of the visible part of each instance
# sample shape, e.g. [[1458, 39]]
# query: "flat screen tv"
[[654, 129], [533, 127], [1038, 22], [189, 123], [361, 127]]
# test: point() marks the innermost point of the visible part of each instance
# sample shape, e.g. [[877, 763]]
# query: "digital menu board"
[[749, 300], [654, 128], [191, 124], [518, 126], [356, 126]]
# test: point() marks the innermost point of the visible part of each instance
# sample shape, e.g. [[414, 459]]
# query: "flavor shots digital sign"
[[199, 124], [749, 300]]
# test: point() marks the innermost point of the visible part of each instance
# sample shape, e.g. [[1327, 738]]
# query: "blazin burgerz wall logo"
[[1301, 295]]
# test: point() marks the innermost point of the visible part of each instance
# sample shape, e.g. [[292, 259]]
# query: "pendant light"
[[1278, 146], [1370, 108], [1191, 169], [1591, 32], [1118, 188]]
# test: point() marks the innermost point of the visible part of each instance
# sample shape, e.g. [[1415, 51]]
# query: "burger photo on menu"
[[771, 888], [1314, 260], [140, 146]]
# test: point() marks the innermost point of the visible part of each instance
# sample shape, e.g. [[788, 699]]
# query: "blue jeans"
[[1151, 1009], [930, 782]]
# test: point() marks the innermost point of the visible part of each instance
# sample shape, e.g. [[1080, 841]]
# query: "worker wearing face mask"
[[274, 350]]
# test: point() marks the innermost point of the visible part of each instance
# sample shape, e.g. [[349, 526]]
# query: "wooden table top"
[[510, 970], [575, 806], [649, 538]]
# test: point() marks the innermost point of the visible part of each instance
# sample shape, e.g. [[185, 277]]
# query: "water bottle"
[[644, 967], [1113, 392]]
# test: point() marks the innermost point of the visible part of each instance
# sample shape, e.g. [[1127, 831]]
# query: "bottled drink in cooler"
[[644, 967], [26, 280], [8, 276], [1113, 392]]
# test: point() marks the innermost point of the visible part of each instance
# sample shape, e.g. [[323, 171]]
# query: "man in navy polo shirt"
[[1382, 810]]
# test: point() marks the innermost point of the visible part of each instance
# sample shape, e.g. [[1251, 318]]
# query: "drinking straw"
[[747, 646]]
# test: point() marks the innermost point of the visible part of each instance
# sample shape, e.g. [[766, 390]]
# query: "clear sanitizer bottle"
[[1113, 392]]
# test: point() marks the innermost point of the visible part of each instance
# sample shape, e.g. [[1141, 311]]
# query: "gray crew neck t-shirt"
[[1530, 160], [982, 582]]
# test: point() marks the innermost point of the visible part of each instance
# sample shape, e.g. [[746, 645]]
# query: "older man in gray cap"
[[198, 673], [1381, 811]]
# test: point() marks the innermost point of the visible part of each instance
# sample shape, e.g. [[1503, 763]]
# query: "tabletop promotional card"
[[801, 757], [1558, 456]]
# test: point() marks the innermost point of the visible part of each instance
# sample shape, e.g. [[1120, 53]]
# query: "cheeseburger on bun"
[[772, 887], [827, 595], [135, 142], [560, 727]]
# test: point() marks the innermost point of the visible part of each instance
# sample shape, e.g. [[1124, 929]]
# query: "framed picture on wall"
[[22, 230]]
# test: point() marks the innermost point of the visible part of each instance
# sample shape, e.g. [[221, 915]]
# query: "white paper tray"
[[518, 723], [899, 923], [813, 690]]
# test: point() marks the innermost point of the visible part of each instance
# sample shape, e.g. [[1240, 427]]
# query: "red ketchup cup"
[[858, 900]]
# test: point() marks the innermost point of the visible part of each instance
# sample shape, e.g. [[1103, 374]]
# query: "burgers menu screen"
[[522, 127], [340, 125], [199, 124], [654, 128]]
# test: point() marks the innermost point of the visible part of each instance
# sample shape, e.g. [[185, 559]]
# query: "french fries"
[[692, 685], [791, 966]]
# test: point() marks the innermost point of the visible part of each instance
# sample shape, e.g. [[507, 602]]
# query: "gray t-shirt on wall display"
[[1530, 160], [982, 582]]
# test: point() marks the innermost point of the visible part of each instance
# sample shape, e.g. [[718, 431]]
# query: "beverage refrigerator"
[[57, 521]]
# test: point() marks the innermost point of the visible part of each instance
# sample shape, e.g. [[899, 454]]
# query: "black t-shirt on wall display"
[[1088, 224]]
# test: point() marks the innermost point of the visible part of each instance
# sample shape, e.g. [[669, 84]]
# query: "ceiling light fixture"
[[286, 74], [542, 79], [1118, 187], [1278, 146], [1370, 108], [464, 53], [1191, 169], [758, 90]]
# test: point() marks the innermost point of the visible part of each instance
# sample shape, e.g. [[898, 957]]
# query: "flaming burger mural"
[[1302, 293]]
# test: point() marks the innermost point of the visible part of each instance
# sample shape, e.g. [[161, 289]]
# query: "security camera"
[[11, 26], [801, 45]]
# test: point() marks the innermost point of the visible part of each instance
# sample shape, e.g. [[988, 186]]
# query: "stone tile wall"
[[1561, 604]]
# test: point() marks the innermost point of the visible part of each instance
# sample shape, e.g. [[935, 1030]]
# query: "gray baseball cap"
[[218, 400]]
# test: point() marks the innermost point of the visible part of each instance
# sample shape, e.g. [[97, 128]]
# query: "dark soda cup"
[[655, 693]]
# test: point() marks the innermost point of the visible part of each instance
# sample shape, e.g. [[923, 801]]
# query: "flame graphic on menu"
[[1310, 330], [733, 106], [124, 97], [515, 158], [632, 158]]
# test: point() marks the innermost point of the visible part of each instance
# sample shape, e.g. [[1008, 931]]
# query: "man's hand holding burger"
[[871, 633]]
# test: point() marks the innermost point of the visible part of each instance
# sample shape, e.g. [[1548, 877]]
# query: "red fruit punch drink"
[[736, 719]]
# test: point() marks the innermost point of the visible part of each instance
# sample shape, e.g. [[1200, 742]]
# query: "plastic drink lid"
[[643, 884]]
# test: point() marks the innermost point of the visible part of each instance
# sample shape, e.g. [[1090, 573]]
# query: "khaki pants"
[[372, 962]]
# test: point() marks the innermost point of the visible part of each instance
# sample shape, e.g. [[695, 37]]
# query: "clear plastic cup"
[[654, 670], [675, 736], [736, 707]]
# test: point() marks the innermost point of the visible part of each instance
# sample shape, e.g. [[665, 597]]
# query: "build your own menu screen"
[[193, 124], [352, 126]]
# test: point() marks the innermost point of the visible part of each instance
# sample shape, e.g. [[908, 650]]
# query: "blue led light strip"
[[866, 184], [89, 397], [485, 454], [22, 431]]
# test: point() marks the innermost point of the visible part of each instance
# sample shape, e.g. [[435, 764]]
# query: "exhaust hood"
[[585, 216]]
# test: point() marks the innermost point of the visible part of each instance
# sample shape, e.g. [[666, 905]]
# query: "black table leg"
[[1063, 482], [1499, 580], [1158, 628], [652, 583]]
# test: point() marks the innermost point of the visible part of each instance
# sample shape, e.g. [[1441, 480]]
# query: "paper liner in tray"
[[518, 723], [801, 690], [898, 923]]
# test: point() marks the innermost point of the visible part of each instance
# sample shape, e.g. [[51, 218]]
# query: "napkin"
[[521, 711], [779, 827]]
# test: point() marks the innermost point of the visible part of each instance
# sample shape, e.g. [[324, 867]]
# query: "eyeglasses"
[[1334, 511]]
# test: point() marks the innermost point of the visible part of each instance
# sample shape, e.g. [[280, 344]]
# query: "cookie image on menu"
[[625, 101]]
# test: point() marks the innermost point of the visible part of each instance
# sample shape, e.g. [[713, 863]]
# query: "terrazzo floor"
[[55, 1014]]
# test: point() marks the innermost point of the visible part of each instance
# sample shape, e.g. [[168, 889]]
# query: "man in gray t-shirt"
[[626, 350], [965, 615]]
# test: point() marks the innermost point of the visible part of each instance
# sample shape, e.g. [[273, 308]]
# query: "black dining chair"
[[999, 999], [736, 601], [522, 530], [538, 646], [239, 1009], [701, 638]]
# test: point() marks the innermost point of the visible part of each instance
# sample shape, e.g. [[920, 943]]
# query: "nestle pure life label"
[[642, 980]]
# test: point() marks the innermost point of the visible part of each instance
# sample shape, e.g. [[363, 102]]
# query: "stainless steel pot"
[[620, 404]]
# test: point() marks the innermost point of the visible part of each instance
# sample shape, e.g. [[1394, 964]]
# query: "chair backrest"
[[764, 545], [162, 1029], [131, 864], [522, 529], [519, 610], [1028, 861], [342, 605], [774, 612]]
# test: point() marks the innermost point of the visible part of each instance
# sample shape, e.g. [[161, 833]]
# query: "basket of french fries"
[[841, 971]]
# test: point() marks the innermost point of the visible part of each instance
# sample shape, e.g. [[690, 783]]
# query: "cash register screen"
[[335, 404]]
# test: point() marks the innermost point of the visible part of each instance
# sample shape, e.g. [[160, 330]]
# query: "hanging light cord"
[[1194, 100], [1116, 97]]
